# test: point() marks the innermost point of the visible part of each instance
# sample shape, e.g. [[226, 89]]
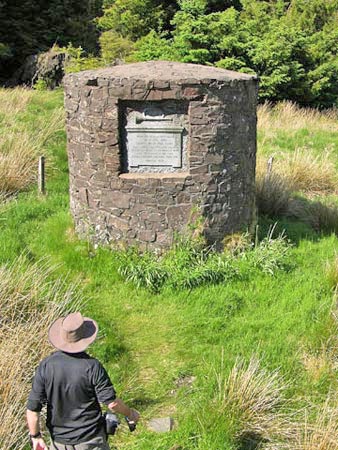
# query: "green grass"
[[150, 341]]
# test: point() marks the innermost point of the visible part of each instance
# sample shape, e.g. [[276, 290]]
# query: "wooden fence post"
[[41, 176], [269, 167]]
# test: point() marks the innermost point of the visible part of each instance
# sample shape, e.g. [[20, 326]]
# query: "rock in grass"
[[161, 425]]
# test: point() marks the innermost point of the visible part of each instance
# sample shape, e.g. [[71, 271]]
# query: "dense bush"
[[291, 45]]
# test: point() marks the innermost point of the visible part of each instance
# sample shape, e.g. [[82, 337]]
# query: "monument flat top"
[[164, 71]]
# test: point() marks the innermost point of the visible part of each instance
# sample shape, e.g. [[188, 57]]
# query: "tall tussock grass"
[[304, 171], [12, 102], [307, 172], [289, 116], [299, 173], [273, 191], [20, 146], [29, 303], [320, 433], [252, 395], [253, 400]]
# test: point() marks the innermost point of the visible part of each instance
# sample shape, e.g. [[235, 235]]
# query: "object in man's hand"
[[131, 424]]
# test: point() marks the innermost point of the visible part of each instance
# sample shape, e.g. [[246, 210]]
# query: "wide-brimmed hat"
[[73, 333]]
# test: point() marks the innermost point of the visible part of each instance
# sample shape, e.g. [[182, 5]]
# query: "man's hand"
[[39, 444], [121, 408]]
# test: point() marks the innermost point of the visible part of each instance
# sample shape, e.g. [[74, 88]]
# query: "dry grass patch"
[[288, 116], [324, 361], [13, 102], [300, 171], [29, 303], [309, 173], [19, 152], [320, 433]]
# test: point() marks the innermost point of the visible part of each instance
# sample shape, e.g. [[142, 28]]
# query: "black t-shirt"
[[72, 386]]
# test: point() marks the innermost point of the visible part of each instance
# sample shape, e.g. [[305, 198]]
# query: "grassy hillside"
[[245, 362]]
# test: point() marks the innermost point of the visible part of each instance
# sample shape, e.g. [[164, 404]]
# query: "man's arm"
[[33, 423], [118, 406]]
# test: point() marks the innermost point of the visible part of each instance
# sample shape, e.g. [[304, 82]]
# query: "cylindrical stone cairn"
[[154, 146]]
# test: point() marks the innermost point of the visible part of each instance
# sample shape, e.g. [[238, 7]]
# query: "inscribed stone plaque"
[[154, 146]]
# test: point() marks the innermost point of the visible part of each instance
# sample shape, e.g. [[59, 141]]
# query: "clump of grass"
[[18, 162], [29, 303], [211, 270], [273, 191], [142, 270], [308, 173], [185, 266], [237, 243], [251, 396], [270, 254], [322, 362]]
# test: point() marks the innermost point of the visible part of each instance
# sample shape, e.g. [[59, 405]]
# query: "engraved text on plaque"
[[154, 146]]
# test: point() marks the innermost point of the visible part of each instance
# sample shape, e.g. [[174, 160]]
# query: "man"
[[73, 385]]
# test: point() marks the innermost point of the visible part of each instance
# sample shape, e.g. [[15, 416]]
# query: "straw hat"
[[73, 333]]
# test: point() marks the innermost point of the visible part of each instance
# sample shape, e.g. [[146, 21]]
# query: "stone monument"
[[150, 144]]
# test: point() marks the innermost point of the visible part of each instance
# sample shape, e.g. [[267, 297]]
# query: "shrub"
[[113, 46], [77, 59], [29, 303]]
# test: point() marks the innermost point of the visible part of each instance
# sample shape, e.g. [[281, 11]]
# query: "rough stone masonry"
[[154, 145]]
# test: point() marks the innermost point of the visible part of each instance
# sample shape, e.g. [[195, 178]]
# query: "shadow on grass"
[[305, 219], [250, 441], [295, 230]]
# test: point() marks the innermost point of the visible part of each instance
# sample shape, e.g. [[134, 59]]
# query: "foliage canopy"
[[291, 44]]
